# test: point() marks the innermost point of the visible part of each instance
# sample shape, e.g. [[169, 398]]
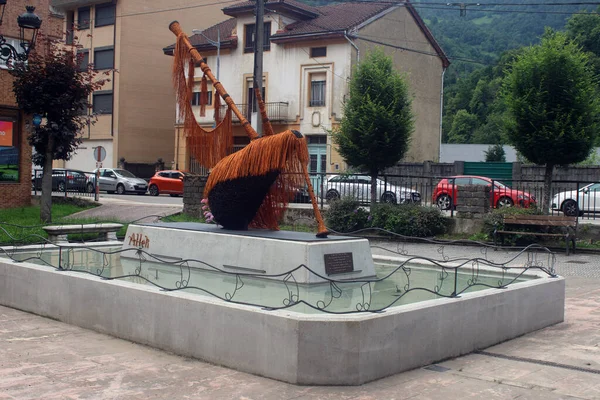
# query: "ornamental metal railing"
[[452, 277], [276, 111]]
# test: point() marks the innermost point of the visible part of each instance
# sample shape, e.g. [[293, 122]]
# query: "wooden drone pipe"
[[322, 231], [197, 57]]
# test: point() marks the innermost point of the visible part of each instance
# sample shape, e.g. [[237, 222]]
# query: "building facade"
[[135, 110], [309, 54], [15, 152]]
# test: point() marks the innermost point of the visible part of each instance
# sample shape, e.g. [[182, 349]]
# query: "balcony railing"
[[277, 111]]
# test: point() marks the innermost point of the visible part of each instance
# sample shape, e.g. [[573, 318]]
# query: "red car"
[[168, 182], [446, 192]]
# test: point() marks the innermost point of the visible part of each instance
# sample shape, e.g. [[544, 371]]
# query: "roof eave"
[[308, 36], [226, 44], [298, 12]]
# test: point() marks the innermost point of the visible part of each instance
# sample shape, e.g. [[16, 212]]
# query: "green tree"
[[551, 95], [495, 153], [584, 29], [375, 130], [463, 126], [56, 87]]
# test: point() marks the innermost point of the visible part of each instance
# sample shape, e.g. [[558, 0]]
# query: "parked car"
[[64, 180], [301, 196], [576, 202], [91, 184], [446, 192], [168, 182], [359, 187], [121, 181]]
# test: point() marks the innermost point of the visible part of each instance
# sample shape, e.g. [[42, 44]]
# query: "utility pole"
[[259, 35]]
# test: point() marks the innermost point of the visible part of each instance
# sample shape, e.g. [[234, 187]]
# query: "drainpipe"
[[353, 45], [441, 114]]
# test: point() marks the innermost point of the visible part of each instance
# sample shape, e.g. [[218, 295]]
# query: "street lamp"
[[217, 44], [29, 25]]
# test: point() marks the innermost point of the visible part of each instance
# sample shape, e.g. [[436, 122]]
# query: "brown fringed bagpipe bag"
[[253, 186]]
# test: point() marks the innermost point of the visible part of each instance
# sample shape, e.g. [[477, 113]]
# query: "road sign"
[[99, 154], [98, 164]]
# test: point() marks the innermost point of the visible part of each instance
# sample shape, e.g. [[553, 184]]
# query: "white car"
[[359, 187], [576, 202]]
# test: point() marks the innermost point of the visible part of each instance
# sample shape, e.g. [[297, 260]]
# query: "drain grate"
[[576, 262], [436, 368], [540, 362]]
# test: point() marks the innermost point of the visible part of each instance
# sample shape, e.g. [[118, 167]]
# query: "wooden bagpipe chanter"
[[253, 186]]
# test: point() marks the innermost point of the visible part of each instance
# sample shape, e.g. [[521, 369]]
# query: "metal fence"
[[574, 198], [66, 183]]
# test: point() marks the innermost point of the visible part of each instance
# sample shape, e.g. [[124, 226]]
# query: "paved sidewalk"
[[45, 359], [128, 211]]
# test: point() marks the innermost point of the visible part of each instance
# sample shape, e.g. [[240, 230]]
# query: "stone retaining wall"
[[193, 192], [473, 201]]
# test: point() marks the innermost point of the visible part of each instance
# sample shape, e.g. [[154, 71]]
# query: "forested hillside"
[[481, 32], [481, 39]]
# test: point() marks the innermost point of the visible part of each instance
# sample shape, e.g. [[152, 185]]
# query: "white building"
[[309, 54]]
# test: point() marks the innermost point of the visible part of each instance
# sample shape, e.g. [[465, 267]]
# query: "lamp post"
[[217, 44], [29, 25]]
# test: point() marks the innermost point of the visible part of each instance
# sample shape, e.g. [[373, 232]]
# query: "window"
[[316, 139], [103, 103], [196, 98], [83, 57], [83, 18], [104, 58], [252, 98], [460, 181], [70, 26], [318, 52], [105, 14], [249, 38], [480, 182], [317, 90], [16, 43]]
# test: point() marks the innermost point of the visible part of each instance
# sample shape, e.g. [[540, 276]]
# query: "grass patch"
[[22, 225], [181, 217]]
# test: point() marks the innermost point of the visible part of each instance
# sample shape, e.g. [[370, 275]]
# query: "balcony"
[[277, 111]]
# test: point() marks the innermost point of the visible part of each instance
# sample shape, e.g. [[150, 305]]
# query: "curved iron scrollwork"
[[453, 277], [8, 52]]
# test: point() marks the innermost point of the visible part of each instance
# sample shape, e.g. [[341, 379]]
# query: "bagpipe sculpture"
[[251, 187]]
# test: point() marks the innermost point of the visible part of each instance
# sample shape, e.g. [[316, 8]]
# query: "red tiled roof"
[[323, 22], [293, 6], [225, 29], [334, 18]]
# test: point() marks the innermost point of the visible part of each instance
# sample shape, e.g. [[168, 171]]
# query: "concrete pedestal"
[[260, 252]]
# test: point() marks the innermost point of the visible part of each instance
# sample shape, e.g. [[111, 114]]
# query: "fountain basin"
[[310, 349]]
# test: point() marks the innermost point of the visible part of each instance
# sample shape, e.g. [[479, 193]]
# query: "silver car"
[[121, 181], [359, 187]]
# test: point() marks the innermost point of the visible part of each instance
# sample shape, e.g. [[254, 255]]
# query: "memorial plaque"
[[338, 263]]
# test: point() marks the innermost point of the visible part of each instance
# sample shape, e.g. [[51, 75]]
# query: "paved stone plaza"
[[42, 358]]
